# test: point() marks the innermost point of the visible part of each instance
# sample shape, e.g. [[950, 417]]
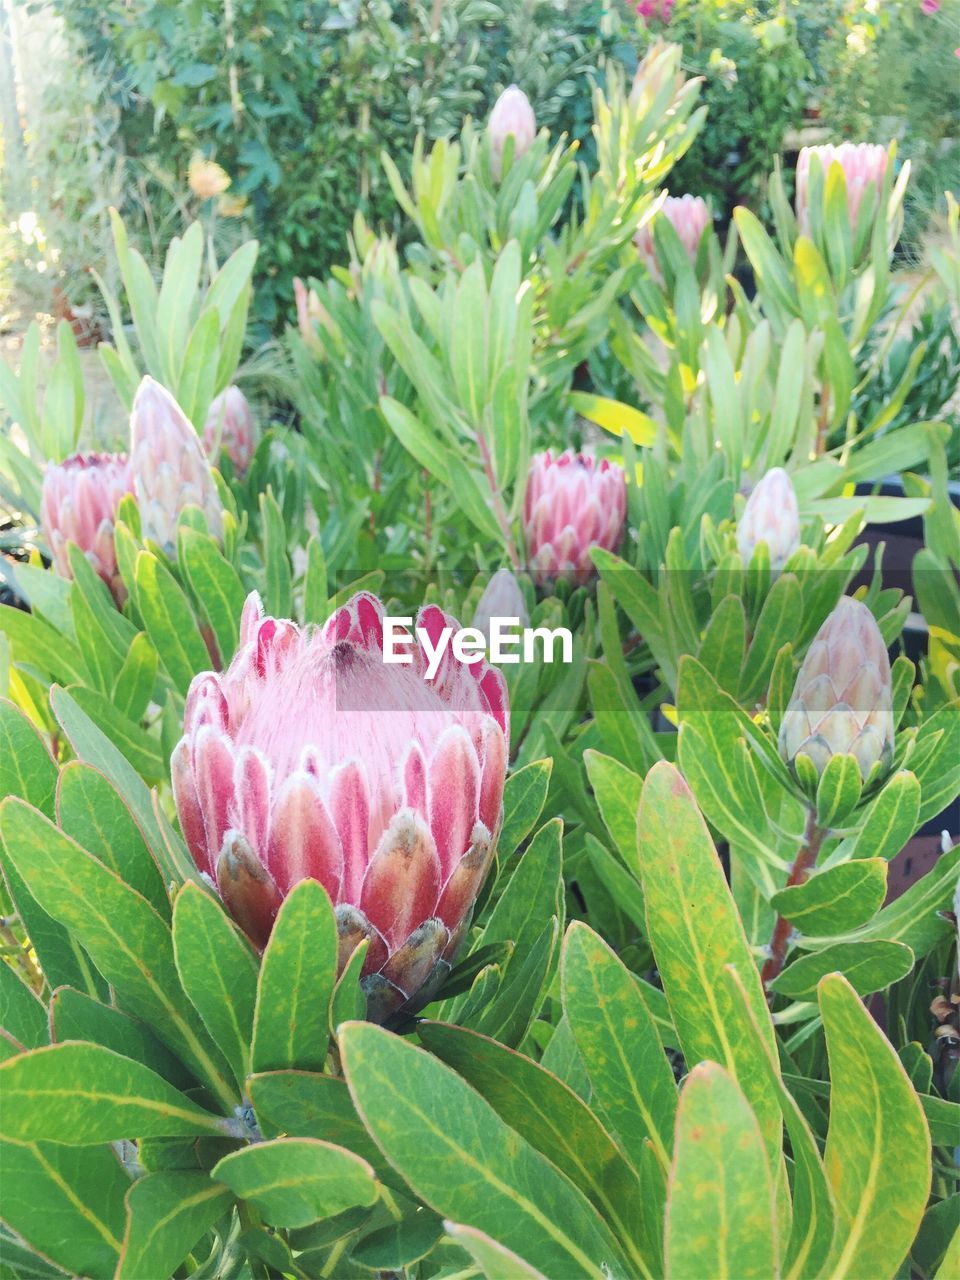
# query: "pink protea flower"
[[312, 757], [169, 469], [658, 10], [511, 114], [689, 216], [78, 504], [864, 164], [230, 429], [771, 516], [572, 503]]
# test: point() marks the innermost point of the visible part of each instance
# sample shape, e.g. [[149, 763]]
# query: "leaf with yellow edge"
[[615, 416]]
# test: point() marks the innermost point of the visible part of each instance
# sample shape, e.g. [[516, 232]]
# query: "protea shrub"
[[864, 166], [78, 504], [842, 702], [230, 429], [311, 757], [170, 471], [689, 216], [573, 502], [512, 116], [771, 516]]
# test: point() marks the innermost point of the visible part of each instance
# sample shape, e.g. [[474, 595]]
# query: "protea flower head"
[[502, 598], [311, 757], [689, 216], [511, 114], [230, 429], [864, 164], [572, 503], [169, 469], [841, 703], [78, 504], [771, 516]]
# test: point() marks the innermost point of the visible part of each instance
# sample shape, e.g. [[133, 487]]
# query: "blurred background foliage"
[[120, 101]]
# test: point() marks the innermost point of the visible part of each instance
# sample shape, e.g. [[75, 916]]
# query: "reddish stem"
[[803, 864], [498, 508]]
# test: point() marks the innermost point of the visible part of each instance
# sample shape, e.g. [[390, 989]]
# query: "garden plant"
[[462, 826]]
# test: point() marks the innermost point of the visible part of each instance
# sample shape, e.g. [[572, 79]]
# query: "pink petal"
[[303, 841], [250, 618], [495, 691], [454, 786], [352, 927], [493, 776], [461, 889], [252, 791], [188, 807], [350, 809], [213, 773], [402, 883], [205, 704], [415, 780]]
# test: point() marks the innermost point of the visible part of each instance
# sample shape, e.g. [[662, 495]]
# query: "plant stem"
[[823, 423], [498, 508], [803, 864]]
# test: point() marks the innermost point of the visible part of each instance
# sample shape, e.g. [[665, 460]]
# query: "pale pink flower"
[[929, 7], [511, 114], [658, 10], [169, 469], [689, 216], [572, 503], [78, 504], [864, 164], [310, 757], [771, 516], [230, 429]]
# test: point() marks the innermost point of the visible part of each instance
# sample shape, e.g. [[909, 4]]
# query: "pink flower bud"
[[169, 469], [78, 504], [659, 67], [511, 114], [863, 164], [689, 216], [502, 598], [230, 428], [312, 757], [310, 312], [771, 516], [572, 503], [841, 703]]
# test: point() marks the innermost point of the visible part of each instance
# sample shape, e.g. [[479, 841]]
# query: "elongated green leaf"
[[617, 791], [878, 1145], [494, 1260], [27, 769], [296, 1181], [65, 1202], [891, 819], [867, 966], [36, 644], [618, 1045], [276, 595], [462, 1160], [553, 1119], [169, 621], [835, 900], [75, 1016], [80, 1094], [219, 973], [133, 688], [695, 932], [532, 894], [523, 800], [21, 1013], [139, 747], [167, 1214], [720, 1207], [297, 977], [215, 585]]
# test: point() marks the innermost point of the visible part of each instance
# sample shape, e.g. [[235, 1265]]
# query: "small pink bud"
[[502, 598], [169, 469], [312, 757], [78, 504], [310, 313], [230, 428], [511, 114], [689, 216], [572, 503], [864, 164], [771, 516]]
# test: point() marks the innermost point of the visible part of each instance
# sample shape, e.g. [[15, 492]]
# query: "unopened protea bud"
[[841, 703], [169, 469], [659, 67], [513, 115], [78, 504], [502, 598], [771, 516], [689, 216], [572, 503], [311, 757], [310, 313], [230, 429], [864, 165]]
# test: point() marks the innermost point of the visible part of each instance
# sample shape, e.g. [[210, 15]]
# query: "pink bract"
[[78, 504], [573, 502]]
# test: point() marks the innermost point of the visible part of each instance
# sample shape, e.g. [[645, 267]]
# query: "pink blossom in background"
[[689, 216], [572, 503], [863, 164], [512, 116], [230, 429], [929, 6], [78, 504], [659, 10], [312, 757]]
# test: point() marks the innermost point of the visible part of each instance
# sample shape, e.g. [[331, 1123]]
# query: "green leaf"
[[21, 1013], [75, 1016], [495, 1261], [417, 439], [139, 747], [27, 769], [838, 791], [65, 1202], [197, 384], [523, 800], [509, 1014], [276, 595], [720, 1215], [552, 1118], [877, 1156], [913, 918], [133, 687], [462, 1160], [533, 893], [617, 792], [79, 1094], [36, 644], [297, 977], [618, 1044], [835, 900], [867, 966], [295, 1181], [215, 586], [891, 819], [169, 621], [219, 973], [349, 1001], [615, 417], [695, 932], [167, 1215]]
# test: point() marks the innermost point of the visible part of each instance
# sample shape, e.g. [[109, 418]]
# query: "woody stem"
[[803, 864]]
